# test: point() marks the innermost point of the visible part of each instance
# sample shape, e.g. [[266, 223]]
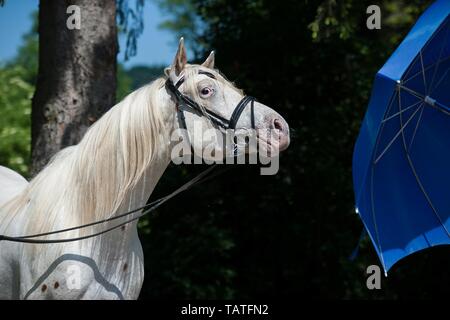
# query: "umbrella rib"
[[396, 136], [413, 169], [442, 79], [426, 69], [411, 165], [400, 112], [375, 224], [371, 186], [411, 91], [440, 58], [423, 71], [422, 106], [415, 59], [440, 109]]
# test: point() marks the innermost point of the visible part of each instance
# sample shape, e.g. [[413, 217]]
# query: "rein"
[[200, 178]]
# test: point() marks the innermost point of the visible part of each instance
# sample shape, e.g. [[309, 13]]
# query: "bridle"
[[183, 103]]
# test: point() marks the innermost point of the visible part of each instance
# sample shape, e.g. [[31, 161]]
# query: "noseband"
[[184, 103]]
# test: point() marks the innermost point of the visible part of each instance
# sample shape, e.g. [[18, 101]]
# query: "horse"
[[114, 168]]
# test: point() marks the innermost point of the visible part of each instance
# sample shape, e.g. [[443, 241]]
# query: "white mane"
[[90, 181]]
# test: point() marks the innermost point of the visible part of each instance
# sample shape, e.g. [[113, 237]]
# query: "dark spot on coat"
[[125, 267], [44, 288], [123, 228], [56, 285]]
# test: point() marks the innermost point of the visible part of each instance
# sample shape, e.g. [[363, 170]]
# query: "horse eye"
[[206, 91]]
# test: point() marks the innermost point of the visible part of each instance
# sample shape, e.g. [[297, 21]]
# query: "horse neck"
[[151, 159], [138, 195], [114, 168]]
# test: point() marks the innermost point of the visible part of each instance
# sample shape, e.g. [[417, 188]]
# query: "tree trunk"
[[77, 74]]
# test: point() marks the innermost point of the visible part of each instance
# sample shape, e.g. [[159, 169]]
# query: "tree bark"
[[76, 81]]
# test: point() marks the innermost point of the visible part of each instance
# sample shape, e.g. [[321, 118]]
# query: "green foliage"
[[135, 77], [28, 52], [15, 110], [332, 19], [142, 75], [199, 241], [335, 18], [17, 80], [124, 83]]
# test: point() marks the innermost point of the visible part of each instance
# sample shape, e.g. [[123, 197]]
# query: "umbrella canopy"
[[401, 161]]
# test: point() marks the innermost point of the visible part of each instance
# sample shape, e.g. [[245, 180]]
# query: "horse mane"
[[89, 181]]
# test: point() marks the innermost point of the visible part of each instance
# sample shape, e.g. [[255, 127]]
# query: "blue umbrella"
[[401, 161]]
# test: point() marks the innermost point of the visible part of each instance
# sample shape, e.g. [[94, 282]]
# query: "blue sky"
[[155, 46]]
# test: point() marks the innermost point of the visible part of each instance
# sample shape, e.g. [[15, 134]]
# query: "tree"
[[76, 80], [17, 85]]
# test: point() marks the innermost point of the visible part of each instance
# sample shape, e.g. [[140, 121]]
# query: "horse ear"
[[209, 62], [180, 60], [167, 71]]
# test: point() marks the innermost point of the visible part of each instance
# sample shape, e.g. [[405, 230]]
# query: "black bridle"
[[183, 103]]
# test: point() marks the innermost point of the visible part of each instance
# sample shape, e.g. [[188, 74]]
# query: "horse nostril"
[[277, 124]]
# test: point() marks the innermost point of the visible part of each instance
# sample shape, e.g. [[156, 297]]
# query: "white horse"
[[112, 170]]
